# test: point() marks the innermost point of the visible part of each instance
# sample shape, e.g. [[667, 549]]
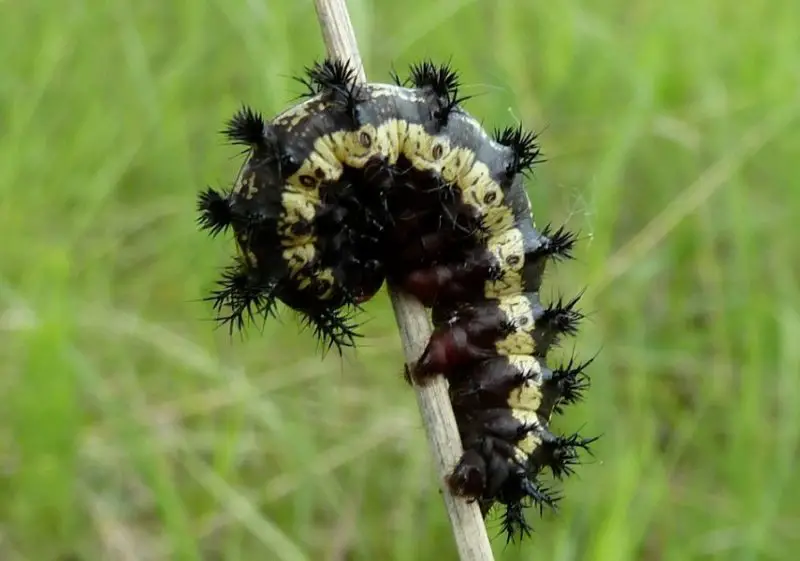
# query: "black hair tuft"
[[335, 77], [524, 147], [514, 523], [246, 128], [332, 328], [329, 75], [540, 497], [241, 290], [396, 79], [443, 81], [562, 453], [571, 381], [558, 244], [216, 211], [562, 317]]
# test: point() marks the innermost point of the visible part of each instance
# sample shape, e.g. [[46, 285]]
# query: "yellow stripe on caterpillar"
[[326, 274], [517, 308], [533, 438], [458, 166], [356, 148], [480, 191], [456, 163], [298, 257], [293, 116], [518, 342], [508, 250], [426, 152], [321, 165], [296, 208], [498, 218], [528, 365], [509, 284], [527, 397], [389, 139]]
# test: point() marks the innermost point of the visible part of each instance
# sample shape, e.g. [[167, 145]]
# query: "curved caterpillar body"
[[362, 183]]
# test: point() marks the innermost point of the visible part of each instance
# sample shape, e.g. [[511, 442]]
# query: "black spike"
[[443, 81], [331, 75], [247, 128], [540, 497], [561, 453], [571, 381], [244, 294], [331, 328], [216, 211], [562, 318], [524, 147], [527, 492], [337, 78], [396, 80], [521, 490], [558, 245], [310, 87], [514, 523]]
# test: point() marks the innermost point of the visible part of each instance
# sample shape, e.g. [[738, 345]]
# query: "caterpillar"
[[364, 183]]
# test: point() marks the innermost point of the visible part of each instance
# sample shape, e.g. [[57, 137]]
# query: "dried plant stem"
[[469, 529]]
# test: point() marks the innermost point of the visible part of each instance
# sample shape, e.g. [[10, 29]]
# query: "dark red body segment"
[[447, 350], [447, 283]]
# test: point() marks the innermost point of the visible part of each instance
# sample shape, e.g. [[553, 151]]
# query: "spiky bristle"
[[396, 79], [530, 493], [216, 212], [558, 244], [243, 294], [541, 497], [443, 81], [514, 523], [335, 77], [562, 318], [246, 128], [332, 329], [562, 453], [524, 147], [571, 381], [331, 74]]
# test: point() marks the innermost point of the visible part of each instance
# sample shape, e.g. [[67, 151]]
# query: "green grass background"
[[131, 429]]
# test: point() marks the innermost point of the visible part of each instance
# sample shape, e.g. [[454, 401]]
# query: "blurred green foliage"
[[132, 429]]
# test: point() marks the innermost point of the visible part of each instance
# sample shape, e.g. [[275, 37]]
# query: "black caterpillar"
[[364, 183]]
